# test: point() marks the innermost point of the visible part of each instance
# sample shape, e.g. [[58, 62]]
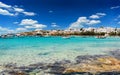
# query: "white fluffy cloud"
[[4, 5], [18, 9], [115, 7], [94, 17], [93, 22], [25, 25], [13, 10], [29, 13], [32, 24], [28, 22], [5, 12], [83, 21], [21, 10], [97, 15], [101, 14], [36, 26], [79, 23]]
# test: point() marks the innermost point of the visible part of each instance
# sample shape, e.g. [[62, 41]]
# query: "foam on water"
[[30, 50]]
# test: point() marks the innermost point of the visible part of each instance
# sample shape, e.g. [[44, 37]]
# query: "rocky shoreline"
[[108, 64]]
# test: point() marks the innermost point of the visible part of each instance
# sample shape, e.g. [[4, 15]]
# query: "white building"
[[105, 30]]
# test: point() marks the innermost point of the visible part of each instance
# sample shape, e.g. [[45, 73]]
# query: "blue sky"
[[25, 15]]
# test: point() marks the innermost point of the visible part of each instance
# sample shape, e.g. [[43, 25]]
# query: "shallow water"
[[30, 50]]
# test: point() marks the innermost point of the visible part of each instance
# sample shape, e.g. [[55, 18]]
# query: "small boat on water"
[[101, 37], [46, 36], [66, 37], [7, 36]]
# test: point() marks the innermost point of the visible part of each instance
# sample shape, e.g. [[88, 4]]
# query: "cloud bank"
[[10, 10], [32, 24], [81, 21]]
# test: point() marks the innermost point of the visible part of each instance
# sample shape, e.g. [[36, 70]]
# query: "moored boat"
[[66, 37], [101, 37]]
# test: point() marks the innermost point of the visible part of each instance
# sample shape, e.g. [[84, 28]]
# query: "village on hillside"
[[102, 31]]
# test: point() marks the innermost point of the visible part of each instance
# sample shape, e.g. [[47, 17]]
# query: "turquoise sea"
[[30, 50]]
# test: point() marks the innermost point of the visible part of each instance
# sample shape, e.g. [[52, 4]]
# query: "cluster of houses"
[[97, 30], [67, 32]]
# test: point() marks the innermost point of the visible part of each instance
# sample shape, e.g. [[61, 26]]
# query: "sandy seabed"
[[108, 64]]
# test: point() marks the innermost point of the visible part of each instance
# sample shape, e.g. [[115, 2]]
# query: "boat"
[[7, 36], [101, 37], [47, 35], [66, 37]]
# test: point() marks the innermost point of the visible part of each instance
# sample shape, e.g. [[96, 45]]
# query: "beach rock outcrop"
[[104, 64]]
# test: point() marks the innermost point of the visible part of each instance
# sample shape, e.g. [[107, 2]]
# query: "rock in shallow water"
[[87, 58], [115, 53], [43, 54], [8, 72], [79, 73], [108, 73], [56, 69], [87, 73]]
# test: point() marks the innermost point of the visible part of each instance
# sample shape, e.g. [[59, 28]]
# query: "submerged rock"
[[87, 58], [12, 72], [63, 62], [38, 66], [10, 65], [108, 73], [115, 53], [42, 54], [78, 73], [56, 69]]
